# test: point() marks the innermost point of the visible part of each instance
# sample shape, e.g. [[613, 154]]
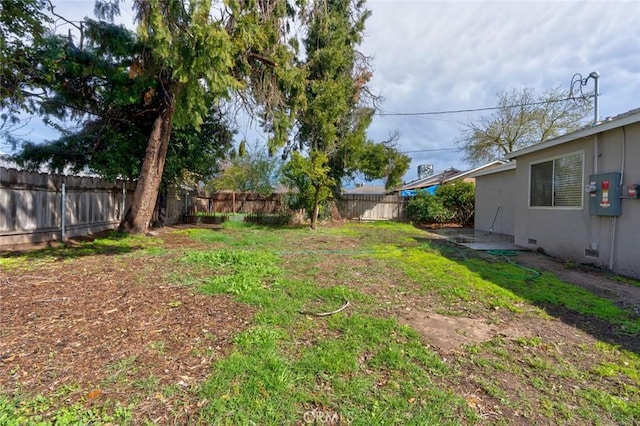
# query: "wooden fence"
[[37, 207], [373, 207], [352, 206], [238, 202]]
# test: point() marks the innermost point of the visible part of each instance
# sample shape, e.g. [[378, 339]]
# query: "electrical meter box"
[[604, 194]]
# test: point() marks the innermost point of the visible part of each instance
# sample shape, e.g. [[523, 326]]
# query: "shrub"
[[451, 203], [425, 207], [458, 197]]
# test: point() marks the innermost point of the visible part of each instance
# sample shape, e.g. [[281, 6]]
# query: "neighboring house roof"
[[610, 123], [366, 189], [511, 165], [471, 173], [446, 176], [434, 179]]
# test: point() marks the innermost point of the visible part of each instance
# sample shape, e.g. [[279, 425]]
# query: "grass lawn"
[[226, 325]]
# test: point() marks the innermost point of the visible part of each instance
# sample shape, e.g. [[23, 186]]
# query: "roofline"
[[501, 168], [609, 124], [433, 179], [469, 172]]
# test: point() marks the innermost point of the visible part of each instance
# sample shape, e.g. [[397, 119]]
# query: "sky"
[[437, 56], [432, 56]]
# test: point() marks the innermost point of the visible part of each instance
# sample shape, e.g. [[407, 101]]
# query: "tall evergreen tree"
[[141, 94], [98, 86], [333, 117], [199, 53], [21, 23]]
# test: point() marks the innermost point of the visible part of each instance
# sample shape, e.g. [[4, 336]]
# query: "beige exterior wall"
[[567, 233], [493, 190]]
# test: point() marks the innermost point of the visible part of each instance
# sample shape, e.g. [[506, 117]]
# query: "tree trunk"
[[316, 208], [140, 213]]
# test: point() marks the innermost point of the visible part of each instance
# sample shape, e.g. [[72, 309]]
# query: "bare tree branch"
[[522, 119]]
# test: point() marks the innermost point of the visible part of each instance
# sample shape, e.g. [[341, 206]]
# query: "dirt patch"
[[448, 334], [116, 327], [113, 328]]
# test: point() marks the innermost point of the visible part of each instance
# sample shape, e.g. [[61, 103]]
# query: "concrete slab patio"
[[477, 240]]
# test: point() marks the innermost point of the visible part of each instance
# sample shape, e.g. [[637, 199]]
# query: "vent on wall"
[[533, 242], [592, 253]]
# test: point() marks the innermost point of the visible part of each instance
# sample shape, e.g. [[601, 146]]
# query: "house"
[[366, 190], [430, 183], [575, 196]]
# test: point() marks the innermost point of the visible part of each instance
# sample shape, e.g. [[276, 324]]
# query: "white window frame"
[[552, 160]]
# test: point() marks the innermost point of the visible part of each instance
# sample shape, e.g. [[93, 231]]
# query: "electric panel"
[[604, 194]]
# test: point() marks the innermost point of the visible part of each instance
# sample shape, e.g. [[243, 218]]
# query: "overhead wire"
[[459, 111]]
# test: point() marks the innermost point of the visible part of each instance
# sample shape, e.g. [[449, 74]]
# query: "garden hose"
[[508, 254]]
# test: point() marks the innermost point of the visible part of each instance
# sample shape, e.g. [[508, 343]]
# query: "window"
[[557, 183]]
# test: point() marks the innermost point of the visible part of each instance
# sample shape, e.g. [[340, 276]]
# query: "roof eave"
[[590, 131]]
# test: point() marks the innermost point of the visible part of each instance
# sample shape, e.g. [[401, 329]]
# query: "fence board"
[[239, 202], [373, 207], [31, 205]]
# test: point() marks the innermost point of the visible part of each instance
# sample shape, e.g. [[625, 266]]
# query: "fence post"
[[63, 211], [124, 199]]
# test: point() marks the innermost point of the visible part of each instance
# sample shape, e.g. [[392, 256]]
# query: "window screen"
[[557, 183]]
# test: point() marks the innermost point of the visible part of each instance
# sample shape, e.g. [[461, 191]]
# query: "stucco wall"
[[574, 234], [493, 190]]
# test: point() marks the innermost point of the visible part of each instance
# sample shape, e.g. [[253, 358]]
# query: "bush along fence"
[[39, 207]]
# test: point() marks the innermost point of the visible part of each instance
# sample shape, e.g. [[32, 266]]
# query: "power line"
[[458, 111], [433, 150]]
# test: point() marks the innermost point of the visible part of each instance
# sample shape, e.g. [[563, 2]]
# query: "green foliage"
[[193, 49], [458, 197], [311, 176], [425, 207], [453, 202], [130, 94], [193, 156], [29, 412], [21, 22], [333, 109], [253, 171], [383, 160], [113, 103]]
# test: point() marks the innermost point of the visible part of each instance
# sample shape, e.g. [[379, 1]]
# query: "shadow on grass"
[[113, 243], [570, 303]]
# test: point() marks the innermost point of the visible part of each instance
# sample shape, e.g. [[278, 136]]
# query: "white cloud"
[[450, 55]]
